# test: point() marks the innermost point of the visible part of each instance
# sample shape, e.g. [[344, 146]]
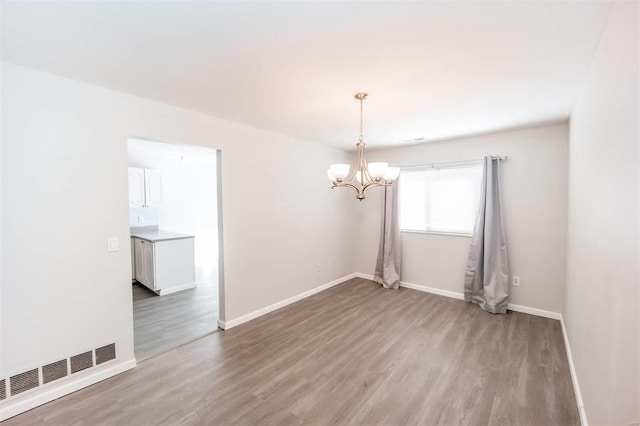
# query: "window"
[[440, 200]]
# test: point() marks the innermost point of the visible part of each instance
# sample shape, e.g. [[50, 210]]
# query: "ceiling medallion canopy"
[[364, 175]]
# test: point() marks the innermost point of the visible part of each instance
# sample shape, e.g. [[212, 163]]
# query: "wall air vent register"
[[32, 379]]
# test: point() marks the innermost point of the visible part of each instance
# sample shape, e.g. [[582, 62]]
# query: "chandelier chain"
[[361, 121]]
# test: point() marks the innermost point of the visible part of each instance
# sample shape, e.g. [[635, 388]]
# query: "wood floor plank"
[[161, 323], [353, 354]]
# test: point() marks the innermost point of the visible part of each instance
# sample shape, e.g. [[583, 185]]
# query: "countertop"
[[154, 235]]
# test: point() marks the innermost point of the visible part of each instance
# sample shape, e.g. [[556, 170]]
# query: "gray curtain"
[[487, 275], [390, 251]]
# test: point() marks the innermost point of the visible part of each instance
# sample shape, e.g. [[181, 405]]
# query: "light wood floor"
[[161, 323], [353, 354]]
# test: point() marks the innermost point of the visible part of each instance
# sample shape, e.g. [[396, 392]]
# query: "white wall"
[[534, 183], [603, 272], [64, 191]]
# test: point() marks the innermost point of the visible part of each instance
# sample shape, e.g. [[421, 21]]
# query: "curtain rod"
[[452, 163]]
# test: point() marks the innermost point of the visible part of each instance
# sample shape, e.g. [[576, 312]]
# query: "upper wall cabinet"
[[153, 187], [136, 187], [145, 187]]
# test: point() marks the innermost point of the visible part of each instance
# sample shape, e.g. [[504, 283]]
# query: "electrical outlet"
[[516, 280]]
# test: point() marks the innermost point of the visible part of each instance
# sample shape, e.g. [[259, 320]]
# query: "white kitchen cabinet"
[[165, 265], [147, 267], [138, 273], [145, 273], [145, 187], [136, 187], [133, 259], [153, 188]]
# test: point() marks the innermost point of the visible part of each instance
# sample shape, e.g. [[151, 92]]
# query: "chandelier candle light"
[[363, 176]]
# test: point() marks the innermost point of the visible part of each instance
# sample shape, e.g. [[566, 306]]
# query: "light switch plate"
[[113, 244]]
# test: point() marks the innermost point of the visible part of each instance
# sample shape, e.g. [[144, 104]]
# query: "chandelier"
[[363, 176]]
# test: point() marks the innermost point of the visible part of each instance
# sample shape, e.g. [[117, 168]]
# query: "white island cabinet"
[[164, 261]]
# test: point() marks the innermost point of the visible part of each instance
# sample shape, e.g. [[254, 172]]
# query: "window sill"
[[450, 234]]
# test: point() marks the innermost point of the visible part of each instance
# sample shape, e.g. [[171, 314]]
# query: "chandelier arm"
[[369, 185], [352, 176], [366, 167], [343, 185], [358, 165]]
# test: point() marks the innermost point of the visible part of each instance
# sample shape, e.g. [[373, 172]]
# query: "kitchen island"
[[162, 261]]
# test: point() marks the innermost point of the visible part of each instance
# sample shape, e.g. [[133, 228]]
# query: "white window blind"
[[440, 199]]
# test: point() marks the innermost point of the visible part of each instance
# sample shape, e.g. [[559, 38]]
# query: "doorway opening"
[[173, 218]]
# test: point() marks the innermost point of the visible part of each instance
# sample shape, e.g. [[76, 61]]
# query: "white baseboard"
[[534, 311], [49, 392], [226, 325], [365, 276], [460, 296], [165, 291], [574, 376], [432, 290]]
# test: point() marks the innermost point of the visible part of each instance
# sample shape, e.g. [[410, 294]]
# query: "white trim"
[[365, 276], [165, 291], [574, 376], [534, 311], [226, 325], [460, 296], [49, 392], [432, 290]]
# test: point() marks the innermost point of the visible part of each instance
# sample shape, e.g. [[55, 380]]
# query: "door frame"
[[220, 225]]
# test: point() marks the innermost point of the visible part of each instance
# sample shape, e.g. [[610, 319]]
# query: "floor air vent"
[[24, 381], [105, 353], [54, 371], [81, 362], [3, 389]]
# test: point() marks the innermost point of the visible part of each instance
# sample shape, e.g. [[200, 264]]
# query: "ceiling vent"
[[415, 140]]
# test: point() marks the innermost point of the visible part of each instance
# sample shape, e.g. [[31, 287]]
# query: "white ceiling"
[[433, 69]]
